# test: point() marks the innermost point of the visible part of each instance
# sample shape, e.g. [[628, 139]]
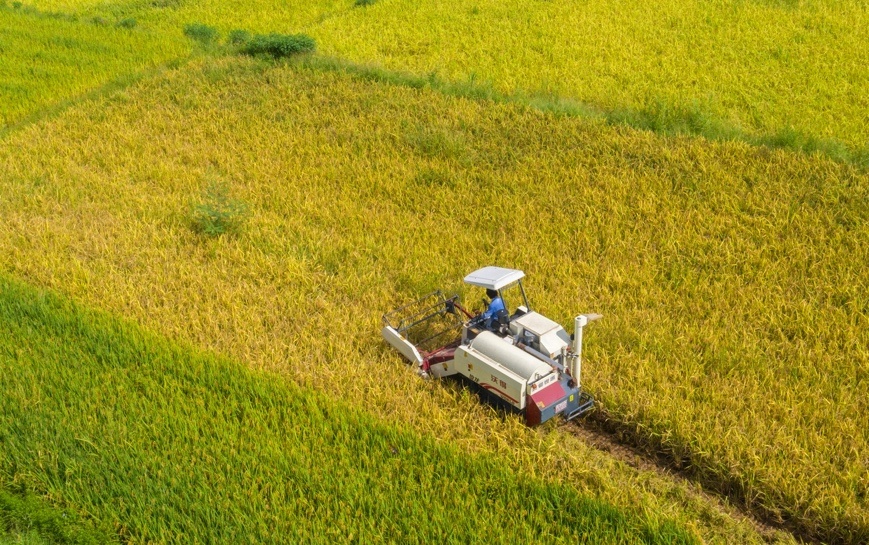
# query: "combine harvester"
[[523, 358]]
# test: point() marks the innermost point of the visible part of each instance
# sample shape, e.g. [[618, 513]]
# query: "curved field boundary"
[[757, 107]]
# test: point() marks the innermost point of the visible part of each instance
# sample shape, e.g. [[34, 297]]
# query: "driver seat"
[[502, 319]]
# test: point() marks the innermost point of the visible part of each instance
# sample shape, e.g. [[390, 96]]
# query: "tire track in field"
[[600, 431]]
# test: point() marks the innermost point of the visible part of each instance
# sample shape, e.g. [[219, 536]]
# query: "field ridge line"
[[106, 90], [684, 123]]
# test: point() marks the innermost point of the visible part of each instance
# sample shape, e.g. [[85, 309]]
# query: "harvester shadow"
[[501, 409]]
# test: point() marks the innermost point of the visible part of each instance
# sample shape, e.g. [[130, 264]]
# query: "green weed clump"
[[238, 37], [35, 522], [218, 213], [158, 440], [203, 34], [279, 45]]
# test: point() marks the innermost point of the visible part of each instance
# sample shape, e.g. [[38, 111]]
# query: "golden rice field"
[[731, 277], [282, 296], [77, 7]]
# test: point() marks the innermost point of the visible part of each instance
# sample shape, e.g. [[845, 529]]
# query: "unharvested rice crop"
[[67, 7], [731, 278], [166, 444], [262, 16], [785, 74]]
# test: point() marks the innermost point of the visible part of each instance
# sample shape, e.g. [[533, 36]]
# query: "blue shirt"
[[491, 313]]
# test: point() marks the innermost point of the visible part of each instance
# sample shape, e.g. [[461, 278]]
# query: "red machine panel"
[[543, 402]]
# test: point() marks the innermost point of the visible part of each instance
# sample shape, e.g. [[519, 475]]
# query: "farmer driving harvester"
[[490, 317], [524, 358]]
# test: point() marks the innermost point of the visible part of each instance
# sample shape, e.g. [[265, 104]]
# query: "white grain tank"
[[498, 366]]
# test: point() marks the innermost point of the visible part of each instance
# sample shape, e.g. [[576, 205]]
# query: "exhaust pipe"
[[578, 323]]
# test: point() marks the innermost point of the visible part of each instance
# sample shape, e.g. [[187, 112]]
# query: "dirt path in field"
[[604, 434]]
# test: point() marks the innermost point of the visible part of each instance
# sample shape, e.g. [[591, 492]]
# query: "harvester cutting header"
[[523, 358]]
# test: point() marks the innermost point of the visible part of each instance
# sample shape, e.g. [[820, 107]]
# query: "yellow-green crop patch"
[[262, 15], [67, 7], [731, 278], [25, 519], [49, 59], [769, 68], [22, 538], [783, 73], [164, 444]]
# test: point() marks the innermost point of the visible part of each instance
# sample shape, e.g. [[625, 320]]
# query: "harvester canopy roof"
[[494, 278]]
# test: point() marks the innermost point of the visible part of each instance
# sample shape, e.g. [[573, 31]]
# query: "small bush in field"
[[218, 213], [279, 45]]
